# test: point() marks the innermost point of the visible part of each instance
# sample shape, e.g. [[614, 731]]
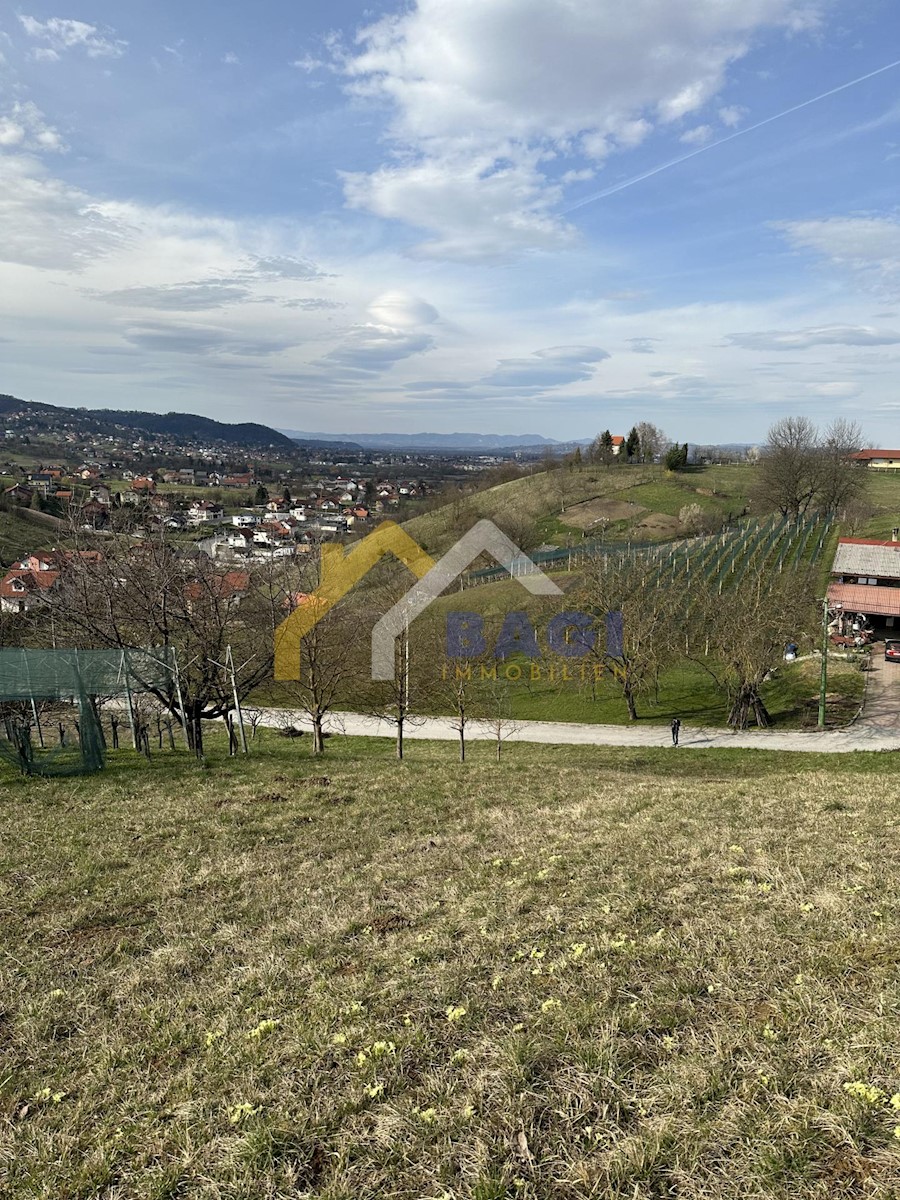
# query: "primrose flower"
[[374, 1090], [212, 1036], [362, 1058], [380, 1049], [426, 1114], [895, 1101], [456, 1012], [550, 1005], [339, 1039], [578, 949], [866, 1092], [459, 1057], [56, 994], [769, 1033], [54, 1097], [469, 1113], [263, 1028], [239, 1112], [735, 849]]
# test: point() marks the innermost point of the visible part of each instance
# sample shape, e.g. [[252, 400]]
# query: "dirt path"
[[841, 741], [877, 729]]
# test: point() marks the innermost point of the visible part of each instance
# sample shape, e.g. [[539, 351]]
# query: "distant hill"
[[430, 441], [184, 427]]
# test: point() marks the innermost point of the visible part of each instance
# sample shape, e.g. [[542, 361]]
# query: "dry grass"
[[585, 973]]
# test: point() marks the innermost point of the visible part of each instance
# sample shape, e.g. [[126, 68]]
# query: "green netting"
[[65, 674], [81, 676]]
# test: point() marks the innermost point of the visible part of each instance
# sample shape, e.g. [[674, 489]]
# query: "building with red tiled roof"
[[878, 459], [866, 579], [22, 588]]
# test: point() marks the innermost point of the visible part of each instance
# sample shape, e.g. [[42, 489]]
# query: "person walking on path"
[[676, 729]]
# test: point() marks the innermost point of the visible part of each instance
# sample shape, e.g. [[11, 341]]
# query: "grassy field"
[[22, 530], [581, 973]]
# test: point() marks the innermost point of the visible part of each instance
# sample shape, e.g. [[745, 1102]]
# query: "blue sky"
[[447, 214]]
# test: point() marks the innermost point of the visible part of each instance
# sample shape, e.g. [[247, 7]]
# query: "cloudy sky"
[[538, 216]]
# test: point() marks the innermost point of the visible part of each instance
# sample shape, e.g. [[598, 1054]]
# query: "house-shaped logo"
[[340, 571]]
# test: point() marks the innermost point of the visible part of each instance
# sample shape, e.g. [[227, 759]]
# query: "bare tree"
[[801, 469], [496, 705], [739, 635], [652, 441], [329, 668], [843, 480], [643, 635], [391, 700], [151, 594]]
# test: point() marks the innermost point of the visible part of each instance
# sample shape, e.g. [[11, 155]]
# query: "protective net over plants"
[[82, 679]]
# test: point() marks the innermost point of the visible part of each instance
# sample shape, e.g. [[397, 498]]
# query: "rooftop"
[[860, 556], [858, 597]]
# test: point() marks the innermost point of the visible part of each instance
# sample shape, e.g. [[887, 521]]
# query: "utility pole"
[[823, 681]]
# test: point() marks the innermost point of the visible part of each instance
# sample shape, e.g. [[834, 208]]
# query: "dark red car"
[[892, 651]]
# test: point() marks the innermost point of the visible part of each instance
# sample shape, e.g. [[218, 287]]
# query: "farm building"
[[879, 460], [865, 578]]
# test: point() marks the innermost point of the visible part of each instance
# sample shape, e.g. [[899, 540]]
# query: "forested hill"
[[182, 427]]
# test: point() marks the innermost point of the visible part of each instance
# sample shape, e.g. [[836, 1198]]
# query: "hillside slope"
[[181, 426], [616, 501]]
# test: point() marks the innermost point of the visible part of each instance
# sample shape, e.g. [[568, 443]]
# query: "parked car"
[[892, 651]]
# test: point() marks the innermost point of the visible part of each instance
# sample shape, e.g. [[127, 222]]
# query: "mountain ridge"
[[188, 426]]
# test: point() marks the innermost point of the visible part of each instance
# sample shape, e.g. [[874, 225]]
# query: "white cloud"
[[868, 247], [698, 136], [488, 90], [186, 338], [834, 390], [402, 311], [732, 115], [24, 127], [308, 64], [479, 209], [375, 348], [60, 33], [46, 223], [230, 59], [824, 335], [551, 368]]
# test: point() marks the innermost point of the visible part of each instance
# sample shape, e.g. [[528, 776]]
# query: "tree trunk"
[[318, 739], [462, 741], [195, 730], [400, 738], [628, 693], [747, 701]]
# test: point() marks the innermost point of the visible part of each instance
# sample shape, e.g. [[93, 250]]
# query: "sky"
[[506, 216]]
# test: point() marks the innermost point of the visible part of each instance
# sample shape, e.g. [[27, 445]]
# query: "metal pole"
[[823, 682], [123, 668], [229, 661], [182, 715]]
